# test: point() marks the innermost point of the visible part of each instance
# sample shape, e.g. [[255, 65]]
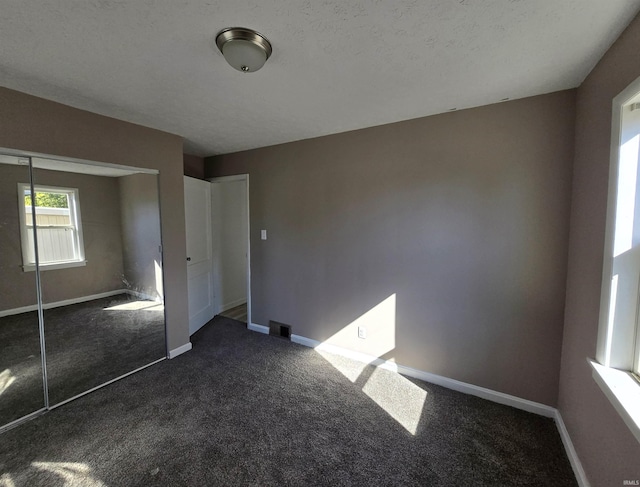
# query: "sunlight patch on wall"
[[379, 324], [6, 379], [350, 354], [159, 281], [71, 473]]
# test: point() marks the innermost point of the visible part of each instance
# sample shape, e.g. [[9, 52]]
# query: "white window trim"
[[613, 375], [75, 212], [623, 390], [52, 267]]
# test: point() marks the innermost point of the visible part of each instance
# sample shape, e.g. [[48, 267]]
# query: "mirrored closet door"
[[21, 372], [90, 234]]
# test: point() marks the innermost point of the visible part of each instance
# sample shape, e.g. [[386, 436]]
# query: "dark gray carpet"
[[248, 409], [91, 343], [20, 366], [87, 345]]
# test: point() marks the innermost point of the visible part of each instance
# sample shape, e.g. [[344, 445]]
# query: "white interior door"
[[197, 204]]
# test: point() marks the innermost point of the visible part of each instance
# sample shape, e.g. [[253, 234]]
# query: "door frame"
[[245, 178]]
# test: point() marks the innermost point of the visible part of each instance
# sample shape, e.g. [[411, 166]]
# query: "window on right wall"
[[617, 365]]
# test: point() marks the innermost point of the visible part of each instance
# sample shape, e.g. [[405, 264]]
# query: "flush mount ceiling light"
[[244, 49]]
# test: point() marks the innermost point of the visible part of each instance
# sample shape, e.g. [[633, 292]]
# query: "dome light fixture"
[[244, 49]]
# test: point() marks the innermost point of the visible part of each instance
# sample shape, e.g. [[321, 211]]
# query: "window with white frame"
[[57, 224], [618, 353]]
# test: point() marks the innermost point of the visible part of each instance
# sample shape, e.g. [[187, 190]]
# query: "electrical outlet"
[[362, 332]]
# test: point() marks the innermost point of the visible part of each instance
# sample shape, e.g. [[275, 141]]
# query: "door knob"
[[188, 259]]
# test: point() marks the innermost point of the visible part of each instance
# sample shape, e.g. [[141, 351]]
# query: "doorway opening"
[[231, 248]]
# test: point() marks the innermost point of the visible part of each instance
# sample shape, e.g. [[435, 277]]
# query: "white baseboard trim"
[[576, 464], [258, 328], [180, 350], [456, 385], [488, 394], [66, 302], [345, 352], [232, 304], [484, 393]]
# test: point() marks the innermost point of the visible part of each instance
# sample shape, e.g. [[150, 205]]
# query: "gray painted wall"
[[100, 212], [17, 288], [462, 216], [141, 234], [34, 124], [193, 166], [609, 452], [101, 228]]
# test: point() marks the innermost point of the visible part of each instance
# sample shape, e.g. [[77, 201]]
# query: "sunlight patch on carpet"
[[351, 369], [136, 306], [71, 473], [400, 398], [362, 343], [6, 379], [6, 480]]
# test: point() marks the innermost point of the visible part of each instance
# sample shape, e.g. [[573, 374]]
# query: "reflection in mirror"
[[98, 231], [21, 378]]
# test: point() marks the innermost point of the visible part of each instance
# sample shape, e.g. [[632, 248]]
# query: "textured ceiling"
[[337, 65]]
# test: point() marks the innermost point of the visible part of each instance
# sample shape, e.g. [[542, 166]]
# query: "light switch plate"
[[263, 234]]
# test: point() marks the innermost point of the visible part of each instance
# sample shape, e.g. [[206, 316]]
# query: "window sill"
[[623, 390], [51, 267]]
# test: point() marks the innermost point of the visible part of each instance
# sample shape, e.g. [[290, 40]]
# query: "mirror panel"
[[21, 372], [101, 273]]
